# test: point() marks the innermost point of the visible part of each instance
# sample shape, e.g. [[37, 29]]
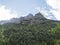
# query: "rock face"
[[39, 15], [29, 16]]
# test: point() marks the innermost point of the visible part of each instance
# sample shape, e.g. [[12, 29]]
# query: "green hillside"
[[35, 30]]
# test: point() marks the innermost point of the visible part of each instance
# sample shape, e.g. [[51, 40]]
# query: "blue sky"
[[22, 6], [17, 8]]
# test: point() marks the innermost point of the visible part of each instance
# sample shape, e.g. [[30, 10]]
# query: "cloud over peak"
[[54, 12], [55, 5]]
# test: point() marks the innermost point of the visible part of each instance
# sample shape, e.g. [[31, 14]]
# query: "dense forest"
[[35, 30]]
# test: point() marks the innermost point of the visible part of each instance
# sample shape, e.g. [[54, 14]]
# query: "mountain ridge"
[[30, 17]]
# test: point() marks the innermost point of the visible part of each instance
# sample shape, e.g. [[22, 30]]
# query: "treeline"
[[30, 34]]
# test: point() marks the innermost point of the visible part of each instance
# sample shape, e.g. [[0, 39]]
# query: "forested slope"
[[35, 30]]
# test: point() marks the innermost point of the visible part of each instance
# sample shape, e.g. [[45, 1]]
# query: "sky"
[[17, 8]]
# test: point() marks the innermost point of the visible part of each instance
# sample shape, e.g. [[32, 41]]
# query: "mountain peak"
[[39, 15]]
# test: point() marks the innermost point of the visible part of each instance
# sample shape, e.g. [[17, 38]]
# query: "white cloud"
[[55, 4], [6, 14]]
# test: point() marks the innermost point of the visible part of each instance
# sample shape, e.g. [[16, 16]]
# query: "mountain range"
[[30, 18]]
